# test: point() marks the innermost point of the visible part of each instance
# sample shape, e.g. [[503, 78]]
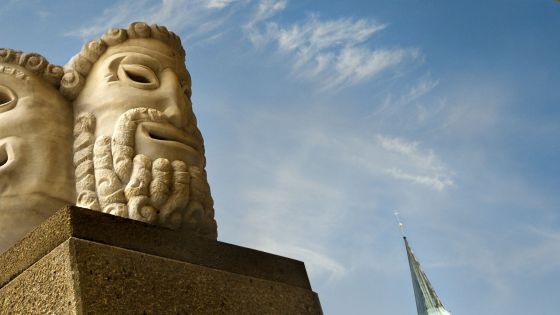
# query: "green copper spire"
[[427, 301]]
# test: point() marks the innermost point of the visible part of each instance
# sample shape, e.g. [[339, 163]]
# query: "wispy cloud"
[[304, 192], [267, 9], [424, 166], [218, 4], [540, 256], [317, 262], [399, 159], [408, 106], [335, 52], [438, 182], [198, 17], [281, 219]]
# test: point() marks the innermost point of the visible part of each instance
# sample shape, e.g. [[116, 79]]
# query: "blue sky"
[[322, 118]]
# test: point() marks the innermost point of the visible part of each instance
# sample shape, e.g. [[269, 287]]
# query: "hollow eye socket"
[[138, 76], [8, 99], [3, 155]]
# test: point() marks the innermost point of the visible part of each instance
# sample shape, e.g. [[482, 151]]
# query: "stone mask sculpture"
[[36, 172], [138, 152]]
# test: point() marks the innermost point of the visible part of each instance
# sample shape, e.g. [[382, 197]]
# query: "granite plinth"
[[81, 261]]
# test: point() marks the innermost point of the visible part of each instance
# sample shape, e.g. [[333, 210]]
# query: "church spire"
[[427, 301]]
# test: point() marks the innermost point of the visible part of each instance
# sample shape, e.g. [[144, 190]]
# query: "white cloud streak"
[[408, 107], [334, 52], [195, 17], [399, 159], [281, 219], [436, 182], [218, 4], [318, 264], [267, 9], [425, 167], [294, 207], [541, 256]]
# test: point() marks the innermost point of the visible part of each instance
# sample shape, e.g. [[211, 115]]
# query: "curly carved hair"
[[78, 68], [34, 63]]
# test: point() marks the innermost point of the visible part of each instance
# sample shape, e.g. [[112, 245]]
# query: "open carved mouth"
[[168, 133]]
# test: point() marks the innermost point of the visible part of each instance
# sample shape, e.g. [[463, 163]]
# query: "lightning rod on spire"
[[401, 226]]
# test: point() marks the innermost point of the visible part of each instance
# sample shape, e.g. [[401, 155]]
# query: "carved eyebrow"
[[113, 67], [144, 60]]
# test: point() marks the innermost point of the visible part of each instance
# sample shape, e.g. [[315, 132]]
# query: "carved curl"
[[34, 63], [139, 30], [114, 36], [160, 32], [84, 139], [8, 55], [53, 74], [93, 50], [71, 84]]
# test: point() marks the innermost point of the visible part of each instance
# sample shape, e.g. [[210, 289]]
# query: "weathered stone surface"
[[86, 261], [36, 171], [47, 287], [113, 280], [129, 234], [35, 245]]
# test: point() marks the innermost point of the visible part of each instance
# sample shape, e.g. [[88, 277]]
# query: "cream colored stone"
[[138, 151], [36, 173]]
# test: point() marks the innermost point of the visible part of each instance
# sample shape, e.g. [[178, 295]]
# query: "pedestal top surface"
[[107, 229]]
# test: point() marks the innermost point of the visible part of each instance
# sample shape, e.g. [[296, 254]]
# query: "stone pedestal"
[[85, 262]]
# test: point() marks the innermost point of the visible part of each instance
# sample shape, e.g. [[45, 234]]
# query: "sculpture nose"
[[174, 103]]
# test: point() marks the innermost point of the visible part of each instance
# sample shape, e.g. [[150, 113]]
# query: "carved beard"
[[112, 179]]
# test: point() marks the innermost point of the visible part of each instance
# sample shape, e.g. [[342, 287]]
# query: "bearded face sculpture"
[[137, 151], [36, 172]]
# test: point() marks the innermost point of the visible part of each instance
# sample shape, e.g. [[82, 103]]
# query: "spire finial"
[[401, 226]]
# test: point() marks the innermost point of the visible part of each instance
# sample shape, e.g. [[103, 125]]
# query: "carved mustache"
[[168, 132], [123, 137]]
